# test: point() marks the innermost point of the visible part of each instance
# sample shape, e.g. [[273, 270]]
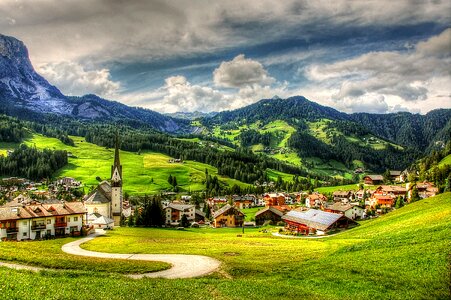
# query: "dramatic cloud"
[[112, 29], [403, 75], [337, 53], [72, 79], [241, 72]]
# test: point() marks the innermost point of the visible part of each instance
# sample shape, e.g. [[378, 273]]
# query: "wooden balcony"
[[60, 224], [12, 229], [38, 227]]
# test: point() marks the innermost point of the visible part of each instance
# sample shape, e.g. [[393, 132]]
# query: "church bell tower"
[[116, 185]]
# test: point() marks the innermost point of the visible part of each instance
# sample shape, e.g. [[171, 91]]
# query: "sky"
[[356, 56]]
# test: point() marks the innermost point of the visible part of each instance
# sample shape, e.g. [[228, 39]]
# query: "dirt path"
[[183, 266]]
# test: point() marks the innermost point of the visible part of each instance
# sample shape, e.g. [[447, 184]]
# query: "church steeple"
[[116, 168]]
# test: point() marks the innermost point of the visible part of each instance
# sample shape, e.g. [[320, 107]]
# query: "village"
[[34, 214]]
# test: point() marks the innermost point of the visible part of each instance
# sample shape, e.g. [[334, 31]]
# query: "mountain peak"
[[21, 86]]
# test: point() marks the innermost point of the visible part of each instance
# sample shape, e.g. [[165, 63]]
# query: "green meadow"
[[402, 255], [445, 161], [144, 173]]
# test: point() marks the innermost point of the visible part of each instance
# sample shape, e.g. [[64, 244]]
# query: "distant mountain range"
[[314, 130], [23, 90]]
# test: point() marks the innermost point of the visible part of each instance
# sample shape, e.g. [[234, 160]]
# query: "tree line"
[[32, 163]]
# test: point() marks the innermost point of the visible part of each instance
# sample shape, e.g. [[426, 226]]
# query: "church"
[[105, 201]]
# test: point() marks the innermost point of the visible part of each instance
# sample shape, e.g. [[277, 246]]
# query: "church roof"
[[102, 194], [102, 220]]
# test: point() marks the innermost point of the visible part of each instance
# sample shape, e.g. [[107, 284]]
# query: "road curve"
[[183, 266]]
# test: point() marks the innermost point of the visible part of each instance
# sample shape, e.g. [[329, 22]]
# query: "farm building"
[[353, 212], [268, 213], [246, 201], [342, 196], [373, 179], [274, 199], [315, 221], [228, 216], [315, 200]]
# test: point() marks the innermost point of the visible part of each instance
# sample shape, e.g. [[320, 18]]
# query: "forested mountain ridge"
[[403, 128]]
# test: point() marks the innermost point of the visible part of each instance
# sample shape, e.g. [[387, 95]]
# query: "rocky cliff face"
[[21, 86], [22, 89]]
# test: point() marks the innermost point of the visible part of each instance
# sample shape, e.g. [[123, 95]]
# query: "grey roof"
[[270, 208], [341, 193], [375, 177], [340, 207], [313, 218], [395, 173], [200, 213], [102, 194], [102, 220], [224, 209], [181, 207]]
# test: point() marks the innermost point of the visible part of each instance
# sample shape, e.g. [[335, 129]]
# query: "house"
[[382, 200], [268, 213], [246, 201], [34, 220], [273, 199], [216, 201], [342, 196], [315, 221], [392, 190], [426, 189], [395, 176], [351, 211], [228, 216], [373, 179], [174, 213], [315, 200]]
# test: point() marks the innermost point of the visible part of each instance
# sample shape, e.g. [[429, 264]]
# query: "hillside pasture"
[[144, 173]]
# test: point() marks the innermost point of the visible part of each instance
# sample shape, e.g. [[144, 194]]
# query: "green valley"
[[362, 263], [146, 172]]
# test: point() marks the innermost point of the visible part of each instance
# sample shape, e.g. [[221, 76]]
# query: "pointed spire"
[[116, 168]]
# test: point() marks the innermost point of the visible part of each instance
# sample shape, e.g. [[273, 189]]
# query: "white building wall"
[[24, 230], [74, 221], [101, 208]]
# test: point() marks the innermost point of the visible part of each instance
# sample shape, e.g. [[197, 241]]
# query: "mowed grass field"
[[145, 173], [402, 255]]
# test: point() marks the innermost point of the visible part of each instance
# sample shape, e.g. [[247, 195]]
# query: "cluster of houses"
[[316, 213], [12, 185]]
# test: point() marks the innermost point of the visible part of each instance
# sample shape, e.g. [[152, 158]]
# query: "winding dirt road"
[[183, 266]]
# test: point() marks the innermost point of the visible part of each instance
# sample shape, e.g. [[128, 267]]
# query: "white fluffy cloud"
[[178, 94], [377, 77], [241, 72], [72, 79]]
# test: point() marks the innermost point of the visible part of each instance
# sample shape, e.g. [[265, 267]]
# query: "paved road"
[[183, 266]]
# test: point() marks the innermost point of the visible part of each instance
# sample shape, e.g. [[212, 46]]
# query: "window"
[[24, 234], [24, 222], [68, 219], [49, 221], [75, 219]]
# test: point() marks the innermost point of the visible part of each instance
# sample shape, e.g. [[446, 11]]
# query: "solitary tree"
[[184, 222]]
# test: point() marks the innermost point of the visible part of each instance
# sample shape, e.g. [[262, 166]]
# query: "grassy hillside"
[[145, 173], [402, 255], [445, 161]]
